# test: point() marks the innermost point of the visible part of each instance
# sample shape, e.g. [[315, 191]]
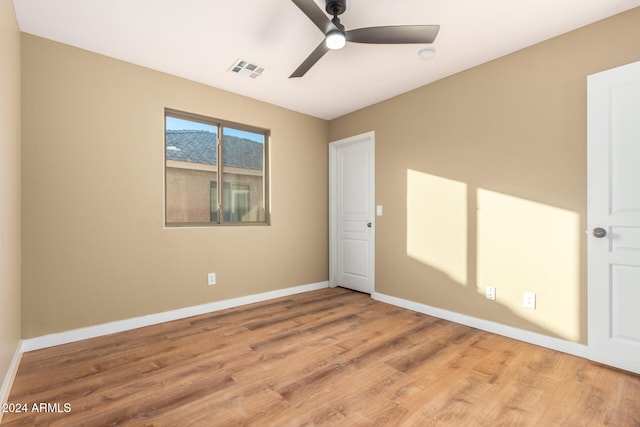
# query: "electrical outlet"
[[529, 300], [491, 293], [211, 279]]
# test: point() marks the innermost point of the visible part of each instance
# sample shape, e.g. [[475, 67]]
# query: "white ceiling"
[[200, 39]]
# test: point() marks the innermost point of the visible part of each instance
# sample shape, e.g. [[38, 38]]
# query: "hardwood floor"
[[329, 357]]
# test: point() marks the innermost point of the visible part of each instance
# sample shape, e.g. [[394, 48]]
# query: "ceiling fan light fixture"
[[335, 40]]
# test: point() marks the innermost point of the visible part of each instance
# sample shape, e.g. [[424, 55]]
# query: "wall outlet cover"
[[529, 300], [491, 293]]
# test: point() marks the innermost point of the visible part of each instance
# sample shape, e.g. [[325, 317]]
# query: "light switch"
[[379, 210]]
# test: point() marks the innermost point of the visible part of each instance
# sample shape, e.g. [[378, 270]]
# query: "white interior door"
[[352, 225], [614, 216]]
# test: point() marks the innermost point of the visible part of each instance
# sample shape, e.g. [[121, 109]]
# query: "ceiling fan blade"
[[317, 16], [314, 57], [399, 34]]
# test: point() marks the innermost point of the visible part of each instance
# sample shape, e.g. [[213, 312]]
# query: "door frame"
[[369, 138]]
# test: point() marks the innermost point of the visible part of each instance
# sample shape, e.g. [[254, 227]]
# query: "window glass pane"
[[213, 202], [243, 175], [194, 164], [191, 177]]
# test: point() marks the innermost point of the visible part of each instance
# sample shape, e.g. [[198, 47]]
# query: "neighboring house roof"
[[199, 146]]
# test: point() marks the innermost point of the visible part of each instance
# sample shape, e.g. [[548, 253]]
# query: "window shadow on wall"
[[468, 238]]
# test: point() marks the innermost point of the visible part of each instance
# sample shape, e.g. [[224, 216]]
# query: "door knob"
[[369, 224], [599, 232]]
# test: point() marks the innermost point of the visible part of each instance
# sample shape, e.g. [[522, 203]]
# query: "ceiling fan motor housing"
[[335, 35], [336, 7]]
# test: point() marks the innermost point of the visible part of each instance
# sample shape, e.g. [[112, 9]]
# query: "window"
[[215, 172]]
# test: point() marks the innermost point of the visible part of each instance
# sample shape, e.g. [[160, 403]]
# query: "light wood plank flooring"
[[330, 357]]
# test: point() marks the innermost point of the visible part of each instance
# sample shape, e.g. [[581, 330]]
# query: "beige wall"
[[9, 185], [94, 244], [482, 176]]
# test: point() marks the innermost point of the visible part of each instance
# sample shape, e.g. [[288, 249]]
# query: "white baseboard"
[[558, 344], [51, 340], [9, 377]]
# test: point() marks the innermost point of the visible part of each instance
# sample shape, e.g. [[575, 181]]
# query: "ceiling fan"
[[336, 36]]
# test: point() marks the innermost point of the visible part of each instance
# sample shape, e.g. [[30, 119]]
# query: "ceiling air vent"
[[246, 68]]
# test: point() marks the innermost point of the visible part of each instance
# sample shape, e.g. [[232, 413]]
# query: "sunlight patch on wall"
[[437, 223], [528, 246]]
